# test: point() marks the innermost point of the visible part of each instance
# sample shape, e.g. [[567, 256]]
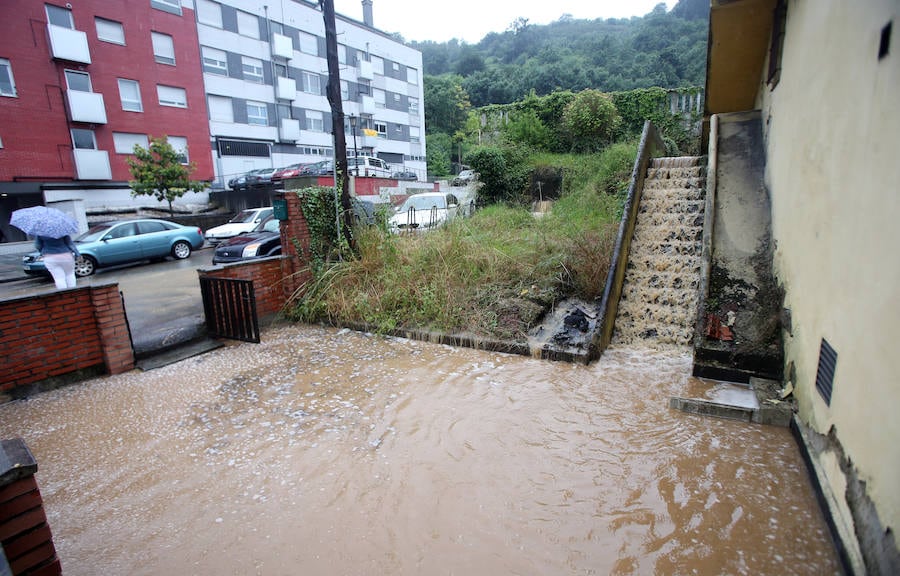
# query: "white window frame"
[[173, 4], [345, 90], [413, 105], [124, 142], [109, 31], [379, 96], [412, 76], [216, 103], [128, 103], [309, 43], [214, 61], [209, 13], [415, 134], [314, 120], [244, 24], [172, 96], [381, 128], [83, 131], [163, 48], [179, 144], [11, 91], [252, 70], [257, 119], [342, 54], [307, 82], [59, 11], [78, 73], [377, 64]]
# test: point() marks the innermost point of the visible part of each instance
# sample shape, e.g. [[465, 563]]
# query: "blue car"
[[126, 241]]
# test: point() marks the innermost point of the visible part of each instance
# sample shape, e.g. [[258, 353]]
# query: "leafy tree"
[[591, 121], [503, 172], [159, 172], [446, 103], [526, 128], [439, 148]]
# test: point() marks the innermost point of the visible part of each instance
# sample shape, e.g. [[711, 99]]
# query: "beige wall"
[[833, 153]]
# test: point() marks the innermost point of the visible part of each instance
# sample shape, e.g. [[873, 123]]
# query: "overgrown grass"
[[491, 275]]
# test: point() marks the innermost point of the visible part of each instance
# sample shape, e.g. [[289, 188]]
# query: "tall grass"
[[490, 275]]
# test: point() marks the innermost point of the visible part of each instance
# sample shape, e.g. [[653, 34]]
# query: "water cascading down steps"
[[659, 296]]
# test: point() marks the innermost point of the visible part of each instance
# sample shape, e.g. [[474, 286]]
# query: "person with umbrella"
[[52, 229]]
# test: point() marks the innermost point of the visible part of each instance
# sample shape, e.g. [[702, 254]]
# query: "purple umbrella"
[[43, 221]]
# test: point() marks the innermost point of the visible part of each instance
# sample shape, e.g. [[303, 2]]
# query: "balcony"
[[86, 107], [368, 105], [92, 164], [285, 88], [289, 130], [282, 46], [365, 70], [70, 45]]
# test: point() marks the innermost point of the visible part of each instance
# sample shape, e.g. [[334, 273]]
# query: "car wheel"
[[181, 250], [85, 266]]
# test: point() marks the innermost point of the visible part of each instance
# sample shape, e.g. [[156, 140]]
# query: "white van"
[[368, 166]]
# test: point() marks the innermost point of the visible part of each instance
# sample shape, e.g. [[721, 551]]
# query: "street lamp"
[[353, 122]]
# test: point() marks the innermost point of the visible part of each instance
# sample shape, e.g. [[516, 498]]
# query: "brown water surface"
[[335, 452]]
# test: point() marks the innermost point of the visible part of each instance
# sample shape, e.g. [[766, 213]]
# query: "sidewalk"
[[11, 260]]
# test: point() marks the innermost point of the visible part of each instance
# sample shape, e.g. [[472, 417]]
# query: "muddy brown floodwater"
[[334, 452]]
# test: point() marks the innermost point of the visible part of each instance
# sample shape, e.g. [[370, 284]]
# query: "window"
[[379, 97], [149, 227], [124, 142], [395, 66], [363, 86], [214, 61], [220, 108], [414, 106], [397, 100], [381, 128], [173, 6], [414, 134], [378, 65], [80, 81], [130, 95], [315, 121], [209, 13], [83, 139], [412, 75], [7, 83], [179, 145], [248, 25], [58, 16], [308, 44], [257, 114], [163, 48], [252, 69], [342, 54], [345, 90], [311, 83], [110, 31], [171, 96]]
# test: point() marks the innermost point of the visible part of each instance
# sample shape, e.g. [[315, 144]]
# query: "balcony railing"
[[68, 44], [92, 164], [86, 107]]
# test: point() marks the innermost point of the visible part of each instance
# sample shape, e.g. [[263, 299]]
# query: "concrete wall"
[[832, 124], [54, 334]]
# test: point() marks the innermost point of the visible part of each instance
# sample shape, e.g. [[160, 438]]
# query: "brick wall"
[[52, 334]]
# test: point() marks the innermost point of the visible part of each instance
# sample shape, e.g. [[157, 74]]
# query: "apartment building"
[[265, 74], [82, 83]]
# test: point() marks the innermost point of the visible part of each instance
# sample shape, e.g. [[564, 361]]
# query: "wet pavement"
[[323, 451]]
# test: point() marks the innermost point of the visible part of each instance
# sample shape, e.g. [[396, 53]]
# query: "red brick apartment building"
[[81, 82]]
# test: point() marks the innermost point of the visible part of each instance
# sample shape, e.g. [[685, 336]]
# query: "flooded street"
[[334, 452]]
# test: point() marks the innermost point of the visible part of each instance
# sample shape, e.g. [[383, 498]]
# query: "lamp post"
[[353, 121]]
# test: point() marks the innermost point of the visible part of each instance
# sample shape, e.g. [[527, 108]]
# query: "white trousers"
[[62, 268]]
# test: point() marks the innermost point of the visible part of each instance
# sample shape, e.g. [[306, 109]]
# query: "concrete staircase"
[[660, 293]]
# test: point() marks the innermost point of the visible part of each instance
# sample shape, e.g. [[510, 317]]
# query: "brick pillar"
[[24, 532], [109, 311], [294, 245]]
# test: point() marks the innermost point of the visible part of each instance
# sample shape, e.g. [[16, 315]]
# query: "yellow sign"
[[370, 132]]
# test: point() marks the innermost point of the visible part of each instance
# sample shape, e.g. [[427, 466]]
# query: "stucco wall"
[[833, 168]]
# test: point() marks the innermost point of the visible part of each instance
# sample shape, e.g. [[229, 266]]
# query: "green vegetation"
[[491, 275], [159, 172]]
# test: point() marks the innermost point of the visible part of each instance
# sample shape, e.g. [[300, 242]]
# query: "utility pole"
[[333, 92]]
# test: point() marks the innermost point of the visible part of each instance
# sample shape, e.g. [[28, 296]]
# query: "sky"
[[472, 20]]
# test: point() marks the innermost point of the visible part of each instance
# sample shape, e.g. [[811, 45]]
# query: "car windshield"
[[95, 233], [423, 203], [243, 217]]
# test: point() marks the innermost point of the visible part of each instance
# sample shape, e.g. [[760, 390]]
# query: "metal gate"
[[230, 308]]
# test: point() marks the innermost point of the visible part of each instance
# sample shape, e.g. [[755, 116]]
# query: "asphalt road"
[[162, 299]]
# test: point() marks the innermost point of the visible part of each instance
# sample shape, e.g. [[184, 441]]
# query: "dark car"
[[321, 168], [264, 240], [246, 180], [405, 175], [124, 242]]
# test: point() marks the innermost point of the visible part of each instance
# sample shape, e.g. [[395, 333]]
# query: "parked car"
[[243, 221], [264, 240], [124, 242], [291, 171], [368, 166], [405, 175], [264, 178], [423, 212], [321, 168], [464, 178], [246, 180]]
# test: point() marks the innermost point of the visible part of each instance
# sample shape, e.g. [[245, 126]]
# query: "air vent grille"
[[825, 374]]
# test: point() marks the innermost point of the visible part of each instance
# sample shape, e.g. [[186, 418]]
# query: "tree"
[[439, 147], [591, 120], [158, 171], [446, 104]]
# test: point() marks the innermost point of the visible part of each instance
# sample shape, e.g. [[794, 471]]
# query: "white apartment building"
[[265, 76]]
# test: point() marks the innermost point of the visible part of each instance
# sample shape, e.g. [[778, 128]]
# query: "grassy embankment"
[[492, 275]]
